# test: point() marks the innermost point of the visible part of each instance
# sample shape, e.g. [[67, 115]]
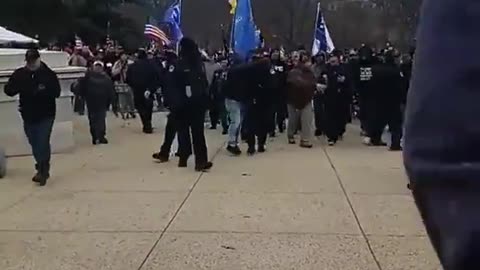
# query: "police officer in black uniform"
[[168, 65], [386, 99], [278, 81], [188, 100], [144, 79]]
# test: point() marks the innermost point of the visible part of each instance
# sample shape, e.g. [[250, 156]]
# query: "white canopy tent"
[[7, 36]]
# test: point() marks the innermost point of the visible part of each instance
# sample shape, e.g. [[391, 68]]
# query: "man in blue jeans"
[[235, 91], [38, 87], [233, 108], [442, 132]]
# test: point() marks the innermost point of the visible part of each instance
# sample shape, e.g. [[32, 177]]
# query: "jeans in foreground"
[[38, 135], [450, 214], [233, 108]]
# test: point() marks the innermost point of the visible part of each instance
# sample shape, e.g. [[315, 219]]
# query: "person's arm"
[[12, 88]]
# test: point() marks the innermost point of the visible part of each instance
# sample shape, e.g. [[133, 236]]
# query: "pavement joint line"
[[357, 220], [268, 192], [262, 233], [79, 231], [177, 211], [209, 232], [122, 191]]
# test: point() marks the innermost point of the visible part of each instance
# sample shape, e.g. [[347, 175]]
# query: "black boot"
[[234, 150], [160, 157], [203, 167], [37, 177], [261, 149], [182, 163], [44, 171]]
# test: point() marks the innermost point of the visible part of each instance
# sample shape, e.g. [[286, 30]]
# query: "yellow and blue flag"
[[244, 36], [233, 5]]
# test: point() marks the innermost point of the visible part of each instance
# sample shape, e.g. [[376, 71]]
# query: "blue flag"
[[322, 42], [173, 19], [244, 30]]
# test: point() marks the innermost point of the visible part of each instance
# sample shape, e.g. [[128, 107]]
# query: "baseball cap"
[[98, 63], [32, 55]]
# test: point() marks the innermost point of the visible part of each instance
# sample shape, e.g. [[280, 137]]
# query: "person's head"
[[320, 58], [150, 54], [98, 67], [189, 50], [334, 60], [275, 55], [365, 53], [100, 54], [123, 56], [389, 58], [295, 56], [304, 57], [141, 54], [32, 59]]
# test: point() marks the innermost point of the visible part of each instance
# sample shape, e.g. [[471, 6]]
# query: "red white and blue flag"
[[155, 33]]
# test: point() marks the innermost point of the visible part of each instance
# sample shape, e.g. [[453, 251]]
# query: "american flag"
[[78, 42], [155, 33]]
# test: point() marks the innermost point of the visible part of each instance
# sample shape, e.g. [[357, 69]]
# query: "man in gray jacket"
[[442, 139]]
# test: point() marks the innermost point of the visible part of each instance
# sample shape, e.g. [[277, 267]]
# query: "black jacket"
[[187, 87], [97, 89], [386, 86], [37, 89], [217, 86], [142, 76], [278, 81], [339, 87], [249, 82]]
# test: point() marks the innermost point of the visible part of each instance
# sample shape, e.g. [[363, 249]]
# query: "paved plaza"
[[112, 208]]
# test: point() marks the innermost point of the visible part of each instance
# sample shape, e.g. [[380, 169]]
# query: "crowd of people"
[[273, 92]]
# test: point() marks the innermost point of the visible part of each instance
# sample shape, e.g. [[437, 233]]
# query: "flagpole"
[[232, 32], [315, 26], [180, 4]]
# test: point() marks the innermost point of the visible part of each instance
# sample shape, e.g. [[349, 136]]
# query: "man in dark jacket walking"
[[258, 104], [97, 89], [38, 87], [143, 77], [386, 96], [442, 130], [278, 84], [338, 87]]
